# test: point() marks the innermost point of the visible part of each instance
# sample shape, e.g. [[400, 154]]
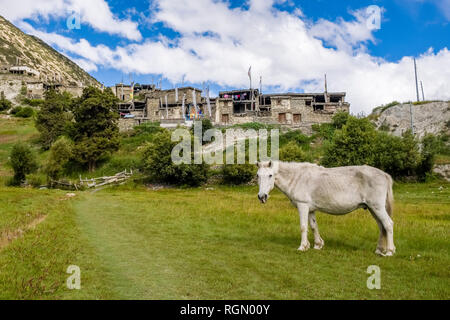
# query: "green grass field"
[[208, 243], [216, 244]]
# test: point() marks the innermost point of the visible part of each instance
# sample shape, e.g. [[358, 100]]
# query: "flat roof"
[[292, 94]]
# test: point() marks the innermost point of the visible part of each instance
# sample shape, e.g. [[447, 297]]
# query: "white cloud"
[[96, 13], [218, 44]]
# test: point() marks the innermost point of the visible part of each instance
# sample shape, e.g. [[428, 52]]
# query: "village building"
[[14, 78], [290, 109], [180, 106]]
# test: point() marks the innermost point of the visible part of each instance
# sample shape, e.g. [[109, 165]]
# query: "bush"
[[23, 161], [340, 119], [297, 137], [398, 156], [292, 152], [206, 125], [5, 104], [25, 112], [157, 163], [238, 173], [430, 148], [353, 145], [60, 154], [359, 143], [16, 110]]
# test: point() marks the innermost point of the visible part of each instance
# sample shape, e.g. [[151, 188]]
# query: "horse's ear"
[[258, 164]]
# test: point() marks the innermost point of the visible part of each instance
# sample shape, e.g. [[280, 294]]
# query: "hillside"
[[431, 117], [35, 53]]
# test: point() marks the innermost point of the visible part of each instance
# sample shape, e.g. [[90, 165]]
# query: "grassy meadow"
[[212, 242]]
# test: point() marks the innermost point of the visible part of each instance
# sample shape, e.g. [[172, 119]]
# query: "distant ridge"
[[35, 53]]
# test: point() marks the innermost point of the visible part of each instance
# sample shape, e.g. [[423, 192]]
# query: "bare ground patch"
[[7, 237]]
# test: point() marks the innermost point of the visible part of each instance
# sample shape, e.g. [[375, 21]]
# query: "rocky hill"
[[428, 117], [36, 54]]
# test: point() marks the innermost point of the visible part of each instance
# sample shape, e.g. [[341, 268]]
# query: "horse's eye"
[[270, 176]]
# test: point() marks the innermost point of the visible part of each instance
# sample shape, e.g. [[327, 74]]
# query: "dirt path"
[[9, 236]]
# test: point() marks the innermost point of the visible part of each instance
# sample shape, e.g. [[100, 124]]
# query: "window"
[[297, 118], [318, 107], [282, 117]]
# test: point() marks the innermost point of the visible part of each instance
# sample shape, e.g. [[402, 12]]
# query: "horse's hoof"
[[319, 245], [379, 252], [304, 247]]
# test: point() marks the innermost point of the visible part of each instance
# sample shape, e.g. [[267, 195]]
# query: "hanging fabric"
[[208, 102], [167, 107], [183, 107]]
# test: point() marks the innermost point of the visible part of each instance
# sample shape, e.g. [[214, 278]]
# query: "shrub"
[[16, 110], [340, 119], [25, 112], [295, 136], [399, 156], [238, 173], [157, 164], [293, 152], [5, 104], [33, 102], [353, 145], [23, 161], [430, 148], [60, 154], [206, 125]]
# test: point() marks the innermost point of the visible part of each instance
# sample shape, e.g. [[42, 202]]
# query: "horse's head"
[[266, 179]]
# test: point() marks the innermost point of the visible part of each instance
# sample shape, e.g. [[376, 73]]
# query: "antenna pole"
[[423, 95], [417, 84]]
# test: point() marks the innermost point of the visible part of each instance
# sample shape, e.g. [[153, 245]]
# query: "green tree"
[[157, 163], [53, 117], [95, 130], [352, 145], [399, 156], [23, 161], [60, 154]]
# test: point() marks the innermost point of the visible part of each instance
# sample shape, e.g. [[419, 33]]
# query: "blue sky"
[[290, 43]]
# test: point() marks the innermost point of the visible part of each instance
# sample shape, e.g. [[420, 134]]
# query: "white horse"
[[335, 191]]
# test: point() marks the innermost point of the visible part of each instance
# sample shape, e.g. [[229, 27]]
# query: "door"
[[225, 118]]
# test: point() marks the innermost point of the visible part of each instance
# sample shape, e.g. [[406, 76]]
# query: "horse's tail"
[[390, 197]]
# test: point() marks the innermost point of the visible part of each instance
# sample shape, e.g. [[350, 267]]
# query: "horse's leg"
[[381, 247], [318, 241], [388, 226], [303, 212]]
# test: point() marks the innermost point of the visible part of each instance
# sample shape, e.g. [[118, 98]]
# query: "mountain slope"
[[35, 53]]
